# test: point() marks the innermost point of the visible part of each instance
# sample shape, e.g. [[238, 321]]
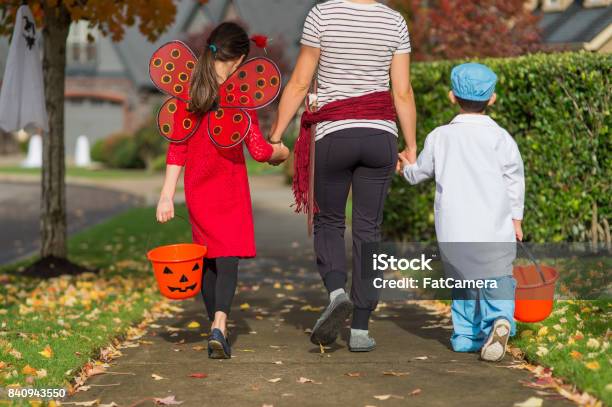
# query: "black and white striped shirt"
[[357, 43]]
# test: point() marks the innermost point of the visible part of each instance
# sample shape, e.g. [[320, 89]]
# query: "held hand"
[[410, 154], [279, 155], [402, 162], [518, 229], [165, 209]]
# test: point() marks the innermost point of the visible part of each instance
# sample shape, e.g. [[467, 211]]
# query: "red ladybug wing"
[[255, 84], [227, 127], [175, 123], [170, 69]]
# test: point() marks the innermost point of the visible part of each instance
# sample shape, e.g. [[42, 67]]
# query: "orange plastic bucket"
[[178, 268], [535, 291]]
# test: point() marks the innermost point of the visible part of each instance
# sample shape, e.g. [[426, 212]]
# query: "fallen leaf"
[[193, 325], [415, 392], [199, 348], [576, 355], [592, 343], [353, 374], [530, 402], [168, 401], [275, 380], [396, 374], [157, 377], [87, 403], [29, 370], [384, 397], [304, 380], [245, 306], [83, 388], [198, 375], [594, 365], [47, 352]]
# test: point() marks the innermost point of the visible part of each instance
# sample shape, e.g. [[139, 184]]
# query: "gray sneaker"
[[361, 343], [494, 347], [329, 324]]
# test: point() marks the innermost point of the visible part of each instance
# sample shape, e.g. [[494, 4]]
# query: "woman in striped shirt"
[[356, 48]]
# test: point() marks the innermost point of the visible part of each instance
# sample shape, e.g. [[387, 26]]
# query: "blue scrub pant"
[[475, 310]]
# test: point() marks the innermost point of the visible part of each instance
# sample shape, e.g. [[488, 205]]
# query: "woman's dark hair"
[[472, 106], [227, 42]]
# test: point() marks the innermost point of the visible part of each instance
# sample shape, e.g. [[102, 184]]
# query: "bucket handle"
[[193, 227], [533, 260]]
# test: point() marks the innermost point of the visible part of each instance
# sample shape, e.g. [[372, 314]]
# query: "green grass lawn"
[[81, 172], [574, 341], [74, 317]]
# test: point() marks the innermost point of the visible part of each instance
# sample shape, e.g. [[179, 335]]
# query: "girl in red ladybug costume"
[[207, 126]]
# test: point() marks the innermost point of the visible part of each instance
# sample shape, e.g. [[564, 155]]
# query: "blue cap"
[[473, 81]]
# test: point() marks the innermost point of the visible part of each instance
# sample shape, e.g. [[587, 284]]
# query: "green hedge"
[[557, 106]]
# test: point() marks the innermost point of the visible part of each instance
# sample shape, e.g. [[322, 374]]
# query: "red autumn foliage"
[[451, 29]]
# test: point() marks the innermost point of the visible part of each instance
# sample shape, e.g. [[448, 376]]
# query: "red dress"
[[217, 190]]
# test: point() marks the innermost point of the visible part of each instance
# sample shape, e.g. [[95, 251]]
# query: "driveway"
[[20, 213]]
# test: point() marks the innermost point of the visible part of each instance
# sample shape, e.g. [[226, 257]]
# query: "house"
[[576, 24], [108, 89]]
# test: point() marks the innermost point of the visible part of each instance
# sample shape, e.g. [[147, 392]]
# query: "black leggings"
[[362, 159], [219, 283]]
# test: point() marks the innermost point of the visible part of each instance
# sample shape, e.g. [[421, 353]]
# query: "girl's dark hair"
[[227, 42]]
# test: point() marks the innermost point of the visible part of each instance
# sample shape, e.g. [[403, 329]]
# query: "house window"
[[556, 5], [82, 45], [597, 3]]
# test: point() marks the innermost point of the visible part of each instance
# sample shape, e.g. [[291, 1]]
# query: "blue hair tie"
[[213, 48]]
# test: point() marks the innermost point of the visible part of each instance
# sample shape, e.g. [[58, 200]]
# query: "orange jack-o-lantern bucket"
[[178, 269], [535, 290]]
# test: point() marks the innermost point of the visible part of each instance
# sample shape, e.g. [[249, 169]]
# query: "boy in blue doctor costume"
[[480, 189]]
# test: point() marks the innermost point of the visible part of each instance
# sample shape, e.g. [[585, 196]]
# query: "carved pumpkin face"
[[178, 269], [179, 281], [183, 280]]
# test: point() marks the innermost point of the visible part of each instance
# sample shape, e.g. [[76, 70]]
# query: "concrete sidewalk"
[[279, 299]]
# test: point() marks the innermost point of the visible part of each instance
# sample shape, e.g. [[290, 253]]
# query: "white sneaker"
[[494, 347]]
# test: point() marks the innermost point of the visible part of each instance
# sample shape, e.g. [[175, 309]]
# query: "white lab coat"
[[480, 185]]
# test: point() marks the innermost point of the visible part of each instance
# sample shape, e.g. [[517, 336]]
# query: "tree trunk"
[[53, 203]]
